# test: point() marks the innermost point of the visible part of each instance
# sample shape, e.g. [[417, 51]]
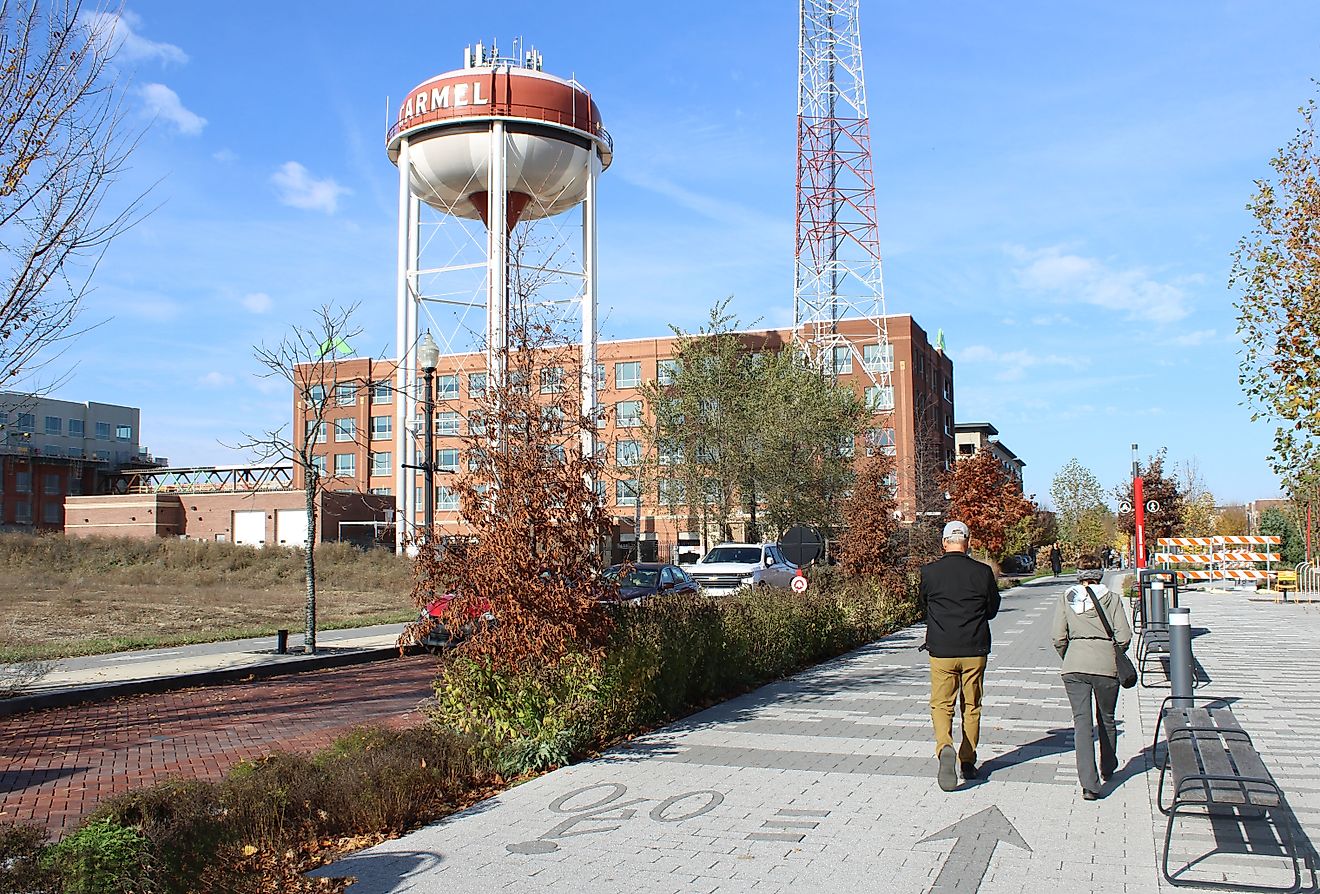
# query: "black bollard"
[[281, 642], [1180, 657], [1159, 606]]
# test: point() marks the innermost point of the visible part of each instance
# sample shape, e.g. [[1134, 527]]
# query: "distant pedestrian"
[[959, 596], [1089, 674], [1056, 560]]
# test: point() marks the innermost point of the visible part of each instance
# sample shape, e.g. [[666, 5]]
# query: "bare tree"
[[62, 145], [308, 360]]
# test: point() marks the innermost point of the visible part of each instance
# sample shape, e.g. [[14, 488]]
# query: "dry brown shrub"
[[528, 552]]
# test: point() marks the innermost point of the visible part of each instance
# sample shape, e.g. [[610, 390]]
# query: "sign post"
[[1139, 510]]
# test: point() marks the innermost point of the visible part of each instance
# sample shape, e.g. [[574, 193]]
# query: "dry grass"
[[66, 596]]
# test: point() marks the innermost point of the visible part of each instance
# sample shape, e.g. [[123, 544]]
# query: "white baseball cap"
[[956, 530]]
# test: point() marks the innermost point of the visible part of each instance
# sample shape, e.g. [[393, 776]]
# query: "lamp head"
[[428, 354]]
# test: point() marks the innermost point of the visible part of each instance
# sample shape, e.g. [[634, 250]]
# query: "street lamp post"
[[428, 357]]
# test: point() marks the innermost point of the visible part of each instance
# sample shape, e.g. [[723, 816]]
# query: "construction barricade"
[[1218, 558]]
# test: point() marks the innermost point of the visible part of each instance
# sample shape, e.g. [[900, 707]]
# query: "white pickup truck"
[[729, 566]]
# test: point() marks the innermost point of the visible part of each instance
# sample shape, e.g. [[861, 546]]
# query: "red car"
[[438, 635]]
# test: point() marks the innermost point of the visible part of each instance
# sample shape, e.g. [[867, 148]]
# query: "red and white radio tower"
[[837, 253]]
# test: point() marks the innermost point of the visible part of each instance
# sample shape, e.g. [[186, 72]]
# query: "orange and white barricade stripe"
[[1264, 540], [1186, 541], [1248, 557], [1224, 574], [1185, 558]]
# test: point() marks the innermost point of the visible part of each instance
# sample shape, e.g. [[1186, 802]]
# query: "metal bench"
[[1152, 650], [1213, 763]]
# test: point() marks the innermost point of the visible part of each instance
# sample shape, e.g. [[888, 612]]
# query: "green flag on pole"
[[335, 345]]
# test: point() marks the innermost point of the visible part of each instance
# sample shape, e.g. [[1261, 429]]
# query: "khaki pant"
[[951, 678]]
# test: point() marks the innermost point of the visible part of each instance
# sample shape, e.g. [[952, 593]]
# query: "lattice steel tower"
[[837, 252]]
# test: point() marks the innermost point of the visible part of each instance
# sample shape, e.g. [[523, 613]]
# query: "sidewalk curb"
[[98, 693]]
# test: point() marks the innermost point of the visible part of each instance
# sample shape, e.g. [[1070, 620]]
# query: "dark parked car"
[[646, 579], [1019, 564]]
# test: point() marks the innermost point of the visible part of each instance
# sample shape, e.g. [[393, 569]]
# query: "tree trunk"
[[309, 564]]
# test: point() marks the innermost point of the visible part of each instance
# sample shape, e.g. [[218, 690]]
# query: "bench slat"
[[1194, 756]]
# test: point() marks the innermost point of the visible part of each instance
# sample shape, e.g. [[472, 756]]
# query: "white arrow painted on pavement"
[[976, 837]]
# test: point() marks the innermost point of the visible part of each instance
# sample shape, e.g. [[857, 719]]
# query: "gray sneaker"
[[948, 773]]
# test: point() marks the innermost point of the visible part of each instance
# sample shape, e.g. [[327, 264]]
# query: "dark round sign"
[[800, 545]]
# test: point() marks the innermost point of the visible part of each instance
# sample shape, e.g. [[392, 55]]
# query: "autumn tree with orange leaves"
[[984, 497], [527, 555], [868, 546]]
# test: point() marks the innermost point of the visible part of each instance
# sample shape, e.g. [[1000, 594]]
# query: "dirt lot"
[[63, 597]]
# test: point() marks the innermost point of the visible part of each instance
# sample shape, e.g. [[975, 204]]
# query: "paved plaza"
[[825, 782]]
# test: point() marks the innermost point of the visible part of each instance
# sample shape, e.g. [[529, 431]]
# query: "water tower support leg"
[[402, 492]]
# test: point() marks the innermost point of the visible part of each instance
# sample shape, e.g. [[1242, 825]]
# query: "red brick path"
[[57, 765]]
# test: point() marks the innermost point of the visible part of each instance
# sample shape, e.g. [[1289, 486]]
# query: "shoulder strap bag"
[[1127, 673]]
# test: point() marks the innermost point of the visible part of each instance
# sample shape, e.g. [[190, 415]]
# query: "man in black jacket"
[[959, 596]]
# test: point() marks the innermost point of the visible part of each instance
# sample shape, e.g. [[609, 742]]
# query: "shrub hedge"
[[666, 657]]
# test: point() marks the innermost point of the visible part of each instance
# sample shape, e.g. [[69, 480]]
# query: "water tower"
[[479, 149]]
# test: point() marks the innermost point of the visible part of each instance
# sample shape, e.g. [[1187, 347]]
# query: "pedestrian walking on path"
[[959, 597], [1056, 560], [1090, 675]]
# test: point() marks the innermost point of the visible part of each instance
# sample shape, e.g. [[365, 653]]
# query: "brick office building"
[[358, 436]]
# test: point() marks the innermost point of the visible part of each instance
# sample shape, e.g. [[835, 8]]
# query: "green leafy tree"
[[1277, 268], [745, 429], [1277, 523], [1079, 504]]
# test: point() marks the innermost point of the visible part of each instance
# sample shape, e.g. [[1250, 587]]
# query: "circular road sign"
[[1152, 506], [799, 584], [1123, 507], [800, 545]]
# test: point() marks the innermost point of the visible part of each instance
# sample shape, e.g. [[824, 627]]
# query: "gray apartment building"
[[50, 449]]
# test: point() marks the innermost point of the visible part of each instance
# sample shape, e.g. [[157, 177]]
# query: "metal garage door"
[[291, 527], [250, 527]]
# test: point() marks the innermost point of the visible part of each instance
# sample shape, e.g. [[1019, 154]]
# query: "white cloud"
[[1011, 366], [298, 188], [225, 156], [257, 302], [1193, 339], [163, 103], [1132, 291], [119, 33], [215, 379]]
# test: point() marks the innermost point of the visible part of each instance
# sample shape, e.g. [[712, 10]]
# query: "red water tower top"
[[489, 86]]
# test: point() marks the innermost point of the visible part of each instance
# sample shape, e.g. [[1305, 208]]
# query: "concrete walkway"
[[825, 782]]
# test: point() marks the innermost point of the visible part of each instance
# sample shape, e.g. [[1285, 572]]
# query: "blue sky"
[[1059, 187]]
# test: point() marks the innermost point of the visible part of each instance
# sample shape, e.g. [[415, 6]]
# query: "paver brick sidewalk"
[[824, 782], [57, 765]]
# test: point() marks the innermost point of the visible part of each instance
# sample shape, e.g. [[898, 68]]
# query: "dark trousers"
[[1056, 567], [1084, 690]]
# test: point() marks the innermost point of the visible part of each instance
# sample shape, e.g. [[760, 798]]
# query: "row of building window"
[[51, 513], [55, 425], [51, 483]]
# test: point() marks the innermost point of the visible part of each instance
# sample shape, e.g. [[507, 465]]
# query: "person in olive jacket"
[[959, 596], [1089, 672]]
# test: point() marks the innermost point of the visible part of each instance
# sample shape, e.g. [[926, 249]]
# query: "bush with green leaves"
[[102, 857]]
